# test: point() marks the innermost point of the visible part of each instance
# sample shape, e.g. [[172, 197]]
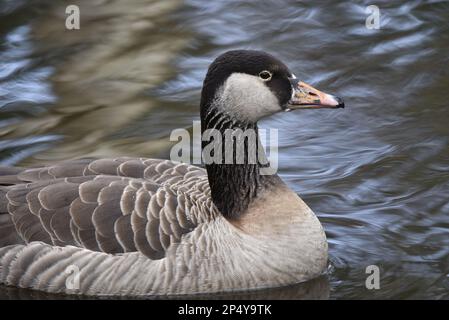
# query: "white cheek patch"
[[246, 97]]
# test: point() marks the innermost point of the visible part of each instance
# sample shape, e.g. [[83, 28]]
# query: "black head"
[[248, 85], [246, 69]]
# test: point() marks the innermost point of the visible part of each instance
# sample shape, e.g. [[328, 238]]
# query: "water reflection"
[[100, 74], [316, 289], [376, 174]]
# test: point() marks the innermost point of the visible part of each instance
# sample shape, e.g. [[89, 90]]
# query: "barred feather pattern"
[[146, 227], [111, 205]]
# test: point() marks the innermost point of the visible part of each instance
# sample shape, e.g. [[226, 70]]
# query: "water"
[[376, 173]]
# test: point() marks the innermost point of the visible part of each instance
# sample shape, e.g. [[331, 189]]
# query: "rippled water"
[[376, 173]]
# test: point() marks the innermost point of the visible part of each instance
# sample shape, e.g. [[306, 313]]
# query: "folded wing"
[[110, 205]]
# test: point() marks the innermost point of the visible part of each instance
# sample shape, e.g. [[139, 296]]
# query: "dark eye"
[[265, 75]]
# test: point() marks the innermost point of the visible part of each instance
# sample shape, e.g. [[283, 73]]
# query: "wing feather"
[[110, 205]]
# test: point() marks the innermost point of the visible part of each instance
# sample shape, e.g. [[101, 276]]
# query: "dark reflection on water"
[[376, 173], [316, 289]]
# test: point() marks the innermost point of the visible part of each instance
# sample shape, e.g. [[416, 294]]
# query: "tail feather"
[[8, 232], [3, 200], [8, 175], [5, 170]]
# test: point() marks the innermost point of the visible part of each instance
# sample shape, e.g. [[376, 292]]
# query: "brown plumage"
[[109, 205]]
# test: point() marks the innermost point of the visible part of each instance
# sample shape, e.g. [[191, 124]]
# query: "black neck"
[[234, 185]]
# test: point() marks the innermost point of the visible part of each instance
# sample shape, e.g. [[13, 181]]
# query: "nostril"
[[313, 94]]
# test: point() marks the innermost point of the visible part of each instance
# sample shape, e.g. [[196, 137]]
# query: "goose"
[[139, 226]]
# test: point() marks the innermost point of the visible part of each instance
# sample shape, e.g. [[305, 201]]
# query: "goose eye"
[[265, 75]]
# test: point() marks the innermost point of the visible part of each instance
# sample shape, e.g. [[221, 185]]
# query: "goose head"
[[248, 85], [241, 87]]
